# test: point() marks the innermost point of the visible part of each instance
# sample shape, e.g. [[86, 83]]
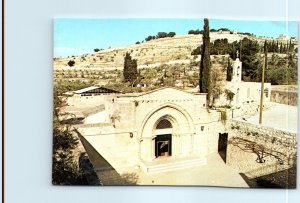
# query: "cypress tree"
[[229, 71], [130, 72], [205, 66], [266, 59]]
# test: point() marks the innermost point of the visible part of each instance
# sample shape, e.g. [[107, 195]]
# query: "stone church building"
[[161, 130]]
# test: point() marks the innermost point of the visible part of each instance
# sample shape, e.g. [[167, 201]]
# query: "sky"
[[79, 36]]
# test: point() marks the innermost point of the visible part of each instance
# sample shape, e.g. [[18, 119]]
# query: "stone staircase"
[[158, 166]]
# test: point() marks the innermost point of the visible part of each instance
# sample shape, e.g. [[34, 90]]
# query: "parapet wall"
[[285, 97], [258, 150]]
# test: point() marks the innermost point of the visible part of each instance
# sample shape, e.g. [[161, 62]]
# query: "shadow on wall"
[[277, 170], [106, 174], [282, 179]]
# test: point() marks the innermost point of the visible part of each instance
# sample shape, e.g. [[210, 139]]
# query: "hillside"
[[163, 61], [152, 52], [148, 54]]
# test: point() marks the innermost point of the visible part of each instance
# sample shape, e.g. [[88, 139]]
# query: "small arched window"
[[163, 124]]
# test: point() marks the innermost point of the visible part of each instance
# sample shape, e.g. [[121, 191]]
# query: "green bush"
[[71, 63]]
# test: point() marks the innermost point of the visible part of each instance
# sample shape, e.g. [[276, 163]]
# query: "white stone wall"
[[85, 101], [130, 139], [244, 93]]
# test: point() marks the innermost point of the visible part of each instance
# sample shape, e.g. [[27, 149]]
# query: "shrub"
[[71, 63]]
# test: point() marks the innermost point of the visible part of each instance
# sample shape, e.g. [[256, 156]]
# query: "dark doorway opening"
[[163, 145], [222, 145]]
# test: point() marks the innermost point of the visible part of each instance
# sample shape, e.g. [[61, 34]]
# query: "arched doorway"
[[181, 123], [163, 139]]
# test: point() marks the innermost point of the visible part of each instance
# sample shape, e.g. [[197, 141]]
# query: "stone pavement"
[[214, 173], [279, 116]]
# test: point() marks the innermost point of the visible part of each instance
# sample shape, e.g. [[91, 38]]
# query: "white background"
[[28, 97]]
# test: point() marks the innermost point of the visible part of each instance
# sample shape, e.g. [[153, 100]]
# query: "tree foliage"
[[250, 56], [196, 51], [71, 63], [195, 32], [229, 71], [171, 34], [229, 95], [150, 37], [216, 80], [65, 170], [130, 71], [220, 47], [205, 65]]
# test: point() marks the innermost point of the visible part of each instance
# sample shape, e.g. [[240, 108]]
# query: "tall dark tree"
[[266, 59], [229, 71], [205, 65], [130, 71]]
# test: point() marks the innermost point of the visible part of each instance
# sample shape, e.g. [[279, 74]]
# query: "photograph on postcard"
[[183, 102]]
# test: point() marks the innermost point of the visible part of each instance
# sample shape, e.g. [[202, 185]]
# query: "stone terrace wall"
[[248, 141]]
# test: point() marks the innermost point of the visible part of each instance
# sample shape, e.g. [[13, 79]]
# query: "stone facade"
[[127, 136]]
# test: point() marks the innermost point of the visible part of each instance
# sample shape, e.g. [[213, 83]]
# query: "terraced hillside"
[[163, 61], [148, 54]]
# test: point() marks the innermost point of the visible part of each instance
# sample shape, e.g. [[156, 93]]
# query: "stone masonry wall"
[[258, 150], [285, 97]]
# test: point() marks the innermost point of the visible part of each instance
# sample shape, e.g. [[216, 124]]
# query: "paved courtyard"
[[279, 116], [214, 173]]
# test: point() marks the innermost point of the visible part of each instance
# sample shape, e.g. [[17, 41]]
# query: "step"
[[174, 165]]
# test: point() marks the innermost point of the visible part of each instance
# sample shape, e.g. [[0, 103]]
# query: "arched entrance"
[[172, 121], [163, 139]]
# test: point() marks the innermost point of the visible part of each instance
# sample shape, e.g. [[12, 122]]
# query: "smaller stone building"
[[244, 92]]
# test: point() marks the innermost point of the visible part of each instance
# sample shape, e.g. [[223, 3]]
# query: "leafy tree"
[[96, 50], [171, 34], [205, 65], [150, 37], [161, 35], [130, 72], [71, 63], [196, 51], [195, 32], [224, 29], [220, 46], [65, 170], [137, 42], [250, 56], [215, 83], [229, 95]]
